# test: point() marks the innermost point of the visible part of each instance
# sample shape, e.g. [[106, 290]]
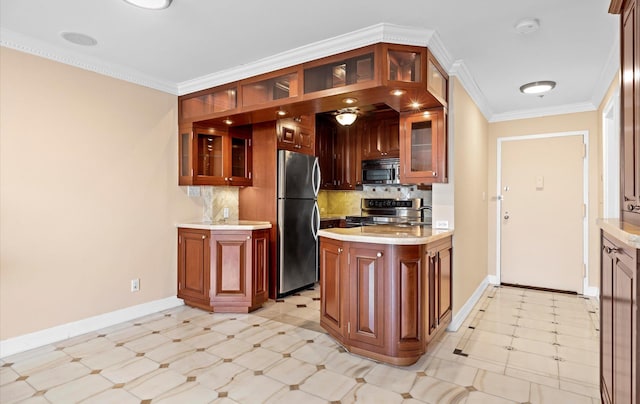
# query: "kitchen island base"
[[385, 300]]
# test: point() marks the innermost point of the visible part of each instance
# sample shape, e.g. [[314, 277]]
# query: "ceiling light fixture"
[[347, 116], [281, 112], [538, 87], [79, 38], [150, 4], [228, 121], [527, 26], [415, 105], [350, 100], [397, 92]]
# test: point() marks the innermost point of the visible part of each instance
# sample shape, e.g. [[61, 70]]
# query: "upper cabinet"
[[206, 103], [630, 67], [423, 158], [381, 136], [214, 156], [345, 71], [297, 134]]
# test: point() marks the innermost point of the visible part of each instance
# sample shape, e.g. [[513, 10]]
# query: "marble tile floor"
[[517, 346]]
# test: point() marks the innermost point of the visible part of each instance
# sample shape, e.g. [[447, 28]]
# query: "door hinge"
[[349, 328], [348, 259], [584, 210], [179, 239], [249, 174], [249, 142], [584, 150], [584, 270]]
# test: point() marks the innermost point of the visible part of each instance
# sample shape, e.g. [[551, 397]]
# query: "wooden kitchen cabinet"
[[630, 93], [618, 321], [223, 270], [381, 136], [297, 134], [385, 301], [339, 153], [215, 155], [438, 258], [423, 147]]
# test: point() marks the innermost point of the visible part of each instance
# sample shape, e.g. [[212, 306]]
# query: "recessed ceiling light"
[[150, 4], [350, 100], [281, 112], [415, 105], [537, 87], [79, 39], [397, 92], [228, 121]]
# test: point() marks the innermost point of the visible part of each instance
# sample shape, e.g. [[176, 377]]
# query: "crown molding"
[[459, 69], [542, 112], [608, 73], [14, 40], [373, 34]]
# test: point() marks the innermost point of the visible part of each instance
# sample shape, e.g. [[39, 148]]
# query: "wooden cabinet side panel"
[[260, 259], [624, 332], [410, 290], [444, 283], [606, 323]]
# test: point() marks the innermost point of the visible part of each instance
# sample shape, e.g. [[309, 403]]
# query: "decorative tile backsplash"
[[345, 203], [215, 199]]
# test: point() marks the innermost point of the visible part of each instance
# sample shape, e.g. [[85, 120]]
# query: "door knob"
[[506, 215]]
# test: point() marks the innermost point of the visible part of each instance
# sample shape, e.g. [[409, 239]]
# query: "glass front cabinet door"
[[212, 156], [423, 149]]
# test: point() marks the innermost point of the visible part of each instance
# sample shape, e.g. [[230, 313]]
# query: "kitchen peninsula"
[[385, 289]]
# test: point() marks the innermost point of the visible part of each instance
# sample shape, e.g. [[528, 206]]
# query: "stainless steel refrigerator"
[[298, 221]]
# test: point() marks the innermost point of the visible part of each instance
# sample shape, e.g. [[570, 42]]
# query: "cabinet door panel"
[[260, 259], [230, 252], [331, 275], [409, 293], [193, 265], [623, 332], [366, 306], [444, 283]]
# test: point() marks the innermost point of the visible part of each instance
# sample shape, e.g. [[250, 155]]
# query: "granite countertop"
[[387, 234], [623, 231], [227, 225]]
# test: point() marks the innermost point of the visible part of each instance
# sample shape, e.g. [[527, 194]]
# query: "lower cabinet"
[[223, 270], [380, 300], [618, 321]]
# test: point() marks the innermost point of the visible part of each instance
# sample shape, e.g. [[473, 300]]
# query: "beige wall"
[[584, 121], [469, 133], [89, 195]]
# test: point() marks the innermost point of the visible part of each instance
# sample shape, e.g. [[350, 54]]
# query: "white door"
[[542, 212]]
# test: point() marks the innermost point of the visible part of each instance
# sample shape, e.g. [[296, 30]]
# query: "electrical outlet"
[[135, 285], [225, 213], [442, 224]]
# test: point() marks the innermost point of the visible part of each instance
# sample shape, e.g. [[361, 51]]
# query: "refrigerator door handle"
[[315, 221], [316, 173]]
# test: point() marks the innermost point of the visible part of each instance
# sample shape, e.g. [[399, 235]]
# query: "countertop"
[[330, 217], [387, 234], [227, 225], [623, 231]]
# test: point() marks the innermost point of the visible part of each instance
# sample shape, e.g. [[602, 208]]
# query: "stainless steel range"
[[406, 212]]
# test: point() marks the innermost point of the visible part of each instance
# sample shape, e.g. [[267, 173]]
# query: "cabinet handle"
[[379, 254], [203, 237], [340, 250], [631, 207], [248, 237], [435, 174], [610, 250]]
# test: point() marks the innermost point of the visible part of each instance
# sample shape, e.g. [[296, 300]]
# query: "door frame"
[[585, 197], [611, 157]]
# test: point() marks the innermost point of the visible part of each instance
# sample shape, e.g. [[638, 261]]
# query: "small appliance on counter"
[[403, 212]]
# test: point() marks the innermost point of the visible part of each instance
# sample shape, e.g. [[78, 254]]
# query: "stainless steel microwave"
[[381, 171]]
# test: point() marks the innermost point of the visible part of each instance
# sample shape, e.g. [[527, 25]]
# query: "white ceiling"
[[196, 44]]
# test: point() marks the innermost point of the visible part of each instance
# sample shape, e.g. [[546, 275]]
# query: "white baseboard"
[[37, 339], [493, 280], [591, 291], [464, 311]]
